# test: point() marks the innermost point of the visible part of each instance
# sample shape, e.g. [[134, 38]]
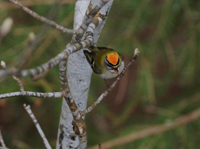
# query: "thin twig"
[[42, 69], [153, 130], [2, 141], [41, 18], [19, 82], [32, 94], [41, 75], [92, 13], [89, 41], [8, 6], [27, 55], [3, 64], [104, 94], [28, 93], [67, 94], [35, 72], [37, 125]]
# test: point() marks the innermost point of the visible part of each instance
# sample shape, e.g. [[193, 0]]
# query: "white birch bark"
[[78, 75]]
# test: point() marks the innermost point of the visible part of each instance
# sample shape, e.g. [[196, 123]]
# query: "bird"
[[105, 62]]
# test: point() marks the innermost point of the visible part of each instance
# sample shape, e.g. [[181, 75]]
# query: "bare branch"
[[40, 71], [35, 72], [89, 41], [41, 18], [103, 95], [78, 122], [27, 55], [2, 141], [28, 93], [91, 11], [153, 130], [8, 6], [3, 64], [32, 94], [19, 82], [63, 78], [65, 89], [37, 125], [96, 14], [41, 75]]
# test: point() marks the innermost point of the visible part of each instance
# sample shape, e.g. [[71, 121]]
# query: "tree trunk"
[[79, 76]]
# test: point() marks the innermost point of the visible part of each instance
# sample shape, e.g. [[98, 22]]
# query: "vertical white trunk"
[[78, 75]]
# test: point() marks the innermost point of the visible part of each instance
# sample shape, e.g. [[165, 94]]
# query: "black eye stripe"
[[117, 62], [110, 64]]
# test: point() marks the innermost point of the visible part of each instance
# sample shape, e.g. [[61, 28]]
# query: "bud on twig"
[[6, 27], [3, 64], [136, 52], [31, 38]]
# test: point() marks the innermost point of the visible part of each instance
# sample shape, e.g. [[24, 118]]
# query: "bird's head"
[[112, 62]]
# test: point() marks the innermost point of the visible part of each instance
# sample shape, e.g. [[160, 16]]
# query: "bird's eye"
[[107, 64]]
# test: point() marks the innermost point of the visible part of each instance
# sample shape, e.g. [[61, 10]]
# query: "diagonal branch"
[[67, 94], [35, 72], [41, 18], [104, 94], [153, 130], [92, 10], [2, 142], [32, 94], [19, 82], [40, 71], [37, 125], [78, 122]]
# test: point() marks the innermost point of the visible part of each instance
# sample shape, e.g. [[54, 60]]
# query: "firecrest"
[[104, 61]]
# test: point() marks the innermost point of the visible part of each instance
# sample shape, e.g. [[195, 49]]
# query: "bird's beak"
[[116, 71]]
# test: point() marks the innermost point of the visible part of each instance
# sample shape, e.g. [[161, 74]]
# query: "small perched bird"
[[104, 61]]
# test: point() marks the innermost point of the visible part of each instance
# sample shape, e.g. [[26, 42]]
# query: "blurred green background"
[[163, 84]]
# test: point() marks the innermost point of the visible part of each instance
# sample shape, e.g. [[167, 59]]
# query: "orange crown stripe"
[[113, 58]]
